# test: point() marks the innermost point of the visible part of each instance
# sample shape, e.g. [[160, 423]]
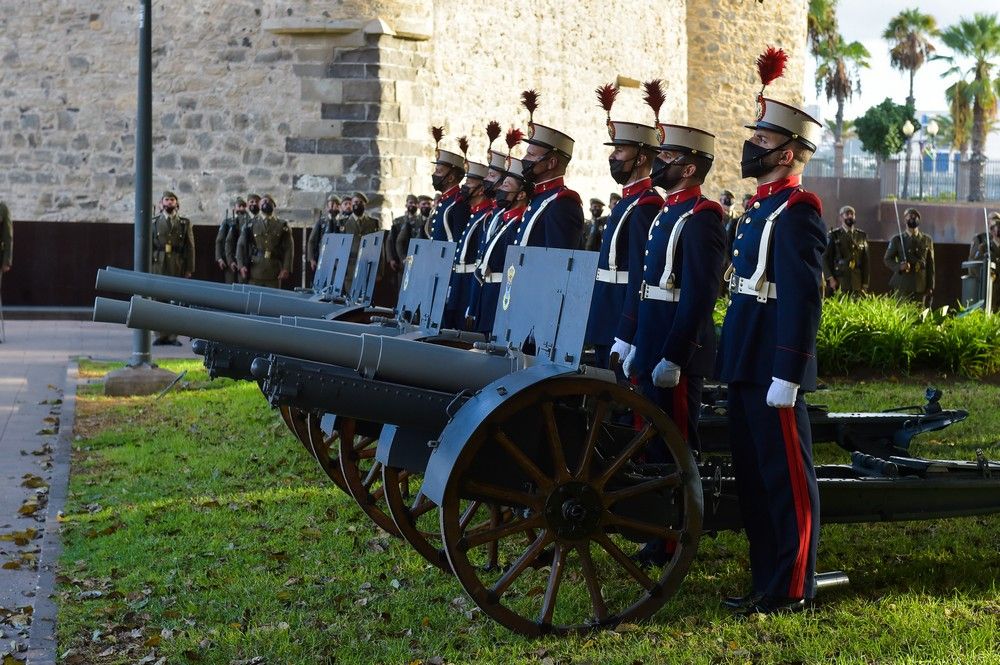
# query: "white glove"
[[781, 394], [627, 365], [621, 348], [666, 374]]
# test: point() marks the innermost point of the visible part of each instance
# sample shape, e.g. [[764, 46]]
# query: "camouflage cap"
[[911, 211], [238, 201], [359, 195], [334, 198], [844, 209], [268, 197], [411, 197], [424, 197], [253, 197], [596, 202], [167, 194], [995, 217]]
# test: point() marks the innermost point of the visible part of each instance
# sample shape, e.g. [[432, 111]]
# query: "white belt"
[[464, 268], [612, 276], [651, 292], [767, 290], [493, 278]]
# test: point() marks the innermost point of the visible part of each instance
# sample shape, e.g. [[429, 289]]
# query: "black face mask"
[[470, 192], [752, 164], [667, 174], [849, 221], [254, 209], [727, 201], [358, 210], [437, 182], [912, 223], [528, 168], [489, 188], [505, 200], [426, 212], [619, 173], [411, 209], [169, 209], [267, 208]]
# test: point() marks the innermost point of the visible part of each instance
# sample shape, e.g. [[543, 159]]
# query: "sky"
[[864, 21]]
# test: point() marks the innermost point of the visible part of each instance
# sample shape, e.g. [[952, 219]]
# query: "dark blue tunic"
[[450, 216], [460, 286], [553, 218]]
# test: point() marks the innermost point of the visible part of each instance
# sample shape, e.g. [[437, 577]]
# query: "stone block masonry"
[[300, 97]]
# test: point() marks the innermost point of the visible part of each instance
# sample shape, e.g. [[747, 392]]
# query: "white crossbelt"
[[531, 222], [484, 264], [445, 224], [613, 253], [756, 285], [464, 268], [612, 276], [665, 290]]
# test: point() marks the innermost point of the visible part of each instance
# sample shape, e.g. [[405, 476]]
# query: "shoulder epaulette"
[[569, 194], [808, 198], [709, 205], [651, 198]]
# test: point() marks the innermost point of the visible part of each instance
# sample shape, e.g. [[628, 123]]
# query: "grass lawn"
[[198, 530]]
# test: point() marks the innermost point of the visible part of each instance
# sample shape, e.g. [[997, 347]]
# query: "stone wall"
[[301, 97], [726, 38]]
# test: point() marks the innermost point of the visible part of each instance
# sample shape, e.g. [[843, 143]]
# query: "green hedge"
[[883, 334]]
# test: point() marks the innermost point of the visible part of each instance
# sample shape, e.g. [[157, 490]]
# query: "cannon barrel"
[[109, 310], [256, 303], [346, 327], [375, 357], [244, 288]]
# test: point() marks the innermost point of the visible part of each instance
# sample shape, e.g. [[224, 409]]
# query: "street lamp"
[[908, 130], [929, 130]]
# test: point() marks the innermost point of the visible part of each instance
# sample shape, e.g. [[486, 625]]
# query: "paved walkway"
[[35, 436]]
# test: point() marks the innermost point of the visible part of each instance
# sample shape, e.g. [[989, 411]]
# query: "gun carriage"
[[544, 477]]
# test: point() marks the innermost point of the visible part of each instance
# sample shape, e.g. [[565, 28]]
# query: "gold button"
[[736, 252]]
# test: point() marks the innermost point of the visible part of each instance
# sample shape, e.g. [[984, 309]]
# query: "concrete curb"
[[42, 646]]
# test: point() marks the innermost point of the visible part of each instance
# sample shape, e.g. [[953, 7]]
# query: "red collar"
[[484, 205], [767, 189], [451, 193], [513, 213], [682, 196], [548, 185], [637, 187]]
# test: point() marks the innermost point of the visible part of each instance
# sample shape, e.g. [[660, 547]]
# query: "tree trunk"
[[838, 140], [977, 163]]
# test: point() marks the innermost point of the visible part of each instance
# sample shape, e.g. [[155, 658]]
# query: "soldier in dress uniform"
[[265, 249], [767, 354], [512, 198], [327, 223], [623, 240], [462, 276], [594, 227], [910, 257], [232, 222], [846, 258], [554, 216], [491, 224], [451, 213], [173, 249]]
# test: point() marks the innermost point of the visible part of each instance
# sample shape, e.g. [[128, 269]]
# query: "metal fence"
[[938, 177]]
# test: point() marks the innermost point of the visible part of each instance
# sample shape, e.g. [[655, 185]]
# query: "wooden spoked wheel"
[[414, 515], [362, 474], [587, 491], [324, 449], [295, 420]]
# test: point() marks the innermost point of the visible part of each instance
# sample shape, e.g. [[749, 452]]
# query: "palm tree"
[[838, 66], [821, 22], [960, 116], [908, 34], [978, 39]]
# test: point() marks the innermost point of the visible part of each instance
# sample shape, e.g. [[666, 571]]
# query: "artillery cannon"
[[540, 489]]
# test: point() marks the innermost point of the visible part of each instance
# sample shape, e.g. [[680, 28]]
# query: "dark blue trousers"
[[776, 483], [682, 403]]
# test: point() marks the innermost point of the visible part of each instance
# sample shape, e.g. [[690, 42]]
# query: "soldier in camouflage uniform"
[[358, 224], [345, 213], [911, 260], [229, 225], [845, 260], [265, 249], [983, 247], [173, 249], [327, 223], [399, 234], [593, 228], [253, 212]]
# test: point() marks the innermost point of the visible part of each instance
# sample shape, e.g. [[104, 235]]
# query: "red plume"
[[514, 136], [463, 145], [771, 64], [654, 96], [606, 96], [493, 131], [438, 134], [529, 100]]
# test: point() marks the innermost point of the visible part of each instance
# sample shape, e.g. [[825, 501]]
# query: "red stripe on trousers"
[[681, 407], [800, 497]]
